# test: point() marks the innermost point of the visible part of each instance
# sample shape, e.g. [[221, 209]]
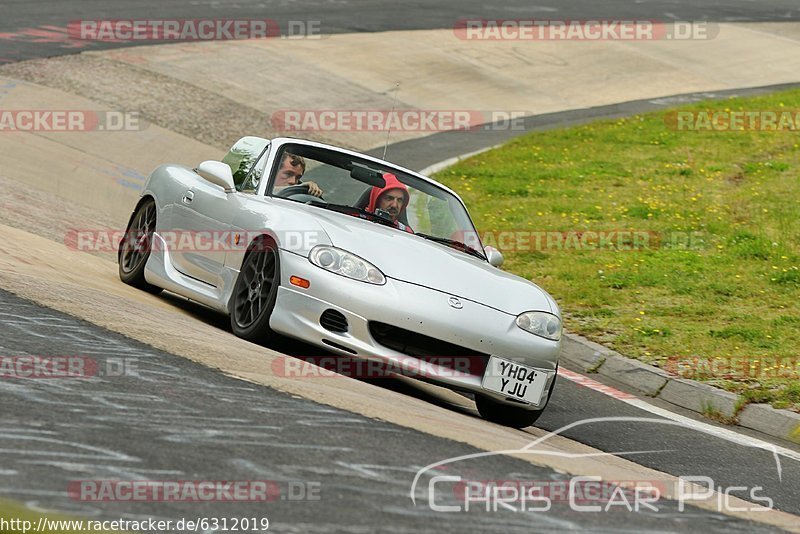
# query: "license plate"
[[515, 380]]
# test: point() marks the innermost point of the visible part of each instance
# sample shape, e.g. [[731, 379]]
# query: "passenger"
[[390, 201]]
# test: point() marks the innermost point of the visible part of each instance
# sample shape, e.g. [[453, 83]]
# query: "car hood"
[[413, 259]]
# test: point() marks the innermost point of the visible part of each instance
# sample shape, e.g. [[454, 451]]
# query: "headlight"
[[342, 262], [542, 324]]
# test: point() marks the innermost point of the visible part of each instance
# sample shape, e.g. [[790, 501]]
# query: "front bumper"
[[475, 327]]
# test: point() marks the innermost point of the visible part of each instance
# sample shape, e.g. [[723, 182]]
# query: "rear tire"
[[255, 293], [134, 249]]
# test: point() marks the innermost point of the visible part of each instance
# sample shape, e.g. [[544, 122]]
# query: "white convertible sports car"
[[353, 254]]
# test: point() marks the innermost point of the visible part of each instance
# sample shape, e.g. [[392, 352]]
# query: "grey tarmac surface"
[[38, 29], [681, 451], [211, 427], [686, 452], [148, 415]]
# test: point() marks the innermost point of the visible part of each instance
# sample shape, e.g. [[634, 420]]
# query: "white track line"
[[723, 433]]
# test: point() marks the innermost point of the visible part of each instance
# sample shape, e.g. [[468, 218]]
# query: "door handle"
[[188, 197]]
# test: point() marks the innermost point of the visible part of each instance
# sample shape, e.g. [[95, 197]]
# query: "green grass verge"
[[713, 293]]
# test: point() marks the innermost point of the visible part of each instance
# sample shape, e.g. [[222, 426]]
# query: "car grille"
[[333, 321], [429, 349]]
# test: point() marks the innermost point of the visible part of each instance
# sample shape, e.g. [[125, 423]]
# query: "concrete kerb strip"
[[650, 380], [768, 420], [695, 396]]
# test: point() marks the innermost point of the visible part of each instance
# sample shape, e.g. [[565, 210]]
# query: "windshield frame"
[[332, 154]]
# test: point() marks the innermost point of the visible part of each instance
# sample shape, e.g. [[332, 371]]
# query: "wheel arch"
[[144, 198], [255, 238], [263, 235], [258, 330]]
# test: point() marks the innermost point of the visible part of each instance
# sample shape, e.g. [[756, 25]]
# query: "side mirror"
[[217, 173], [494, 256]]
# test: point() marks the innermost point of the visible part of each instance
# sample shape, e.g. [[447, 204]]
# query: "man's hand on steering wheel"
[[299, 190], [313, 189]]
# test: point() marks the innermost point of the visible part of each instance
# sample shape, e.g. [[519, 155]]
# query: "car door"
[[203, 213], [201, 238]]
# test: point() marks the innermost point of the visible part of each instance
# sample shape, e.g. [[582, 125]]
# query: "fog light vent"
[[334, 321]]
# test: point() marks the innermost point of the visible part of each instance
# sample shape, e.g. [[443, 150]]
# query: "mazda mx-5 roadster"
[[356, 255]]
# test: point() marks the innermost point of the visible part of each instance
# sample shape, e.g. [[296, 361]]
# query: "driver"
[[291, 170], [390, 201]]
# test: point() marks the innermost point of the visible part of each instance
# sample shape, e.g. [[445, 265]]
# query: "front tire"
[[255, 293], [134, 249], [507, 415]]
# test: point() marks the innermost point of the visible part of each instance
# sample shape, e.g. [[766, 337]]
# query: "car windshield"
[[374, 192]]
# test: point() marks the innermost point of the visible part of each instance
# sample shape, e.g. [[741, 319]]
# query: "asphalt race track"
[[167, 418], [38, 29], [141, 419], [170, 419]]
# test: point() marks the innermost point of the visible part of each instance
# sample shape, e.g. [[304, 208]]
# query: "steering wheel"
[[299, 190]]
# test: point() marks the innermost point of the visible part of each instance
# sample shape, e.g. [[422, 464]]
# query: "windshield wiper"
[[463, 247], [344, 208]]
